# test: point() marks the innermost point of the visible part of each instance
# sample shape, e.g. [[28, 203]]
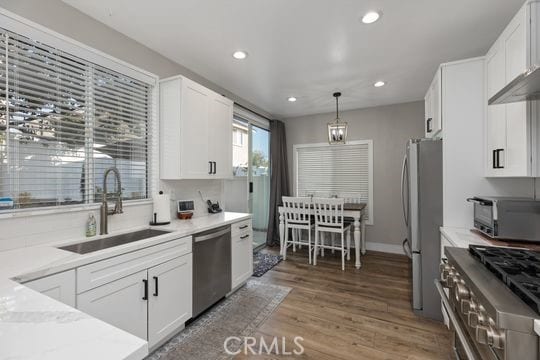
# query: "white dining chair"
[[329, 219], [297, 213], [351, 198]]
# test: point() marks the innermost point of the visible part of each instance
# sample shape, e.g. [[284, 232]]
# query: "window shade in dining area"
[[336, 170]]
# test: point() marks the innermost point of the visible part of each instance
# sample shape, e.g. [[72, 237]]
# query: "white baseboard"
[[387, 248]]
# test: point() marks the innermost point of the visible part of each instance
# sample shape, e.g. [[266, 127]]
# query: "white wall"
[[463, 145], [389, 127]]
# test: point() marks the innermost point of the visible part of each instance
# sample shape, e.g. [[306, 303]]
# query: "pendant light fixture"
[[337, 130]]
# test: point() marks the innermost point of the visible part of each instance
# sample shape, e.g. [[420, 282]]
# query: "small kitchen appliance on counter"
[[184, 209], [162, 210], [507, 218], [492, 298], [213, 208]]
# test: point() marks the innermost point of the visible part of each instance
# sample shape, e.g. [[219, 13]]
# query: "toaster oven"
[[507, 218]]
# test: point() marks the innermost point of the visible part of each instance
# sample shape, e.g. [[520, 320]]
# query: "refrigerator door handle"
[[407, 248], [404, 203]]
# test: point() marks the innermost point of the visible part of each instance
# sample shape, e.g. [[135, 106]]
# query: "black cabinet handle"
[[145, 297], [497, 159], [210, 171], [429, 128], [215, 166], [499, 166], [244, 237], [156, 286], [243, 227]]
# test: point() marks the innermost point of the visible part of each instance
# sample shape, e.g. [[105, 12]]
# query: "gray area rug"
[[239, 315], [264, 262]]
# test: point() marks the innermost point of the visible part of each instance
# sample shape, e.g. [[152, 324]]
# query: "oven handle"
[[453, 319], [480, 201]]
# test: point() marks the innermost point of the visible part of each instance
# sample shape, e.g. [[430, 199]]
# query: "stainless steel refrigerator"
[[422, 202]]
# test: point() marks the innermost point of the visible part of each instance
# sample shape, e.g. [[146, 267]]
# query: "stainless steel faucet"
[[104, 211]]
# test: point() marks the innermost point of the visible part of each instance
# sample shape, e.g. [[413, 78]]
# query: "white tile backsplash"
[[188, 190], [37, 229]]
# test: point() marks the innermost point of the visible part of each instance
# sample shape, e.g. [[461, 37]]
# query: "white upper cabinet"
[[433, 107], [221, 110], [514, 39], [509, 137], [195, 131]]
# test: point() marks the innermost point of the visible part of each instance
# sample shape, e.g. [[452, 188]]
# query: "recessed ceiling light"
[[239, 55], [371, 17], [379, 84], [291, 99]]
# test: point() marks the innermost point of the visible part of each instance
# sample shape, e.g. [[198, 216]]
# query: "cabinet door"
[[241, 258], [496, 114], [436, 103], [170, 298], [119, 303], [515, 46], [516, 158], [194, 131], [60, 287], [170, 147], [428, 117], [220, 136]]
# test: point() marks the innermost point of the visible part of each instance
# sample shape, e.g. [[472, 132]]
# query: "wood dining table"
[[356, 211]]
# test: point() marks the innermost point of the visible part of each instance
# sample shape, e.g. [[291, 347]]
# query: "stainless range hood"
[[524, 87]]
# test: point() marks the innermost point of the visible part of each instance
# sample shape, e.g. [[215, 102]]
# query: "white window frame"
[[369, 143], [32, 30]]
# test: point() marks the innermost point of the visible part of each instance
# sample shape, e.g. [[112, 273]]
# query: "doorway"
[[249, 189], [259, 182]]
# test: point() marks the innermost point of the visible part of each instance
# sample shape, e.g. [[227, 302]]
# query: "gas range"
[[491, 297], [518, 269]]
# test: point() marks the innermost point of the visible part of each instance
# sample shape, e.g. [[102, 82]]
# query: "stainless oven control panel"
[[480, 327]]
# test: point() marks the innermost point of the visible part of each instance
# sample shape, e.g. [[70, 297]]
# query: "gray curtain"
[[279, 178]]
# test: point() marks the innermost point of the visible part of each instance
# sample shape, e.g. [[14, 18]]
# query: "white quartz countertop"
[[34, 326], [460, 237]]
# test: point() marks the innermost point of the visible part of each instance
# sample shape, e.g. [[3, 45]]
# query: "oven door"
[[483, 216], [462, 343]]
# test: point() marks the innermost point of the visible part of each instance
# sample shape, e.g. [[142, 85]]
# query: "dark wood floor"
[[355, 314]]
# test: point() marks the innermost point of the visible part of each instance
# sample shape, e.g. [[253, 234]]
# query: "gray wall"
[[389, 127], [66, 20]]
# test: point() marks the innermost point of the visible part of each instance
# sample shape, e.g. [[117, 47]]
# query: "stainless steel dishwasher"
[[211, 267]]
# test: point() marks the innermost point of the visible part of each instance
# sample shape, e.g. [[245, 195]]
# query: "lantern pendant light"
[[337, 130]]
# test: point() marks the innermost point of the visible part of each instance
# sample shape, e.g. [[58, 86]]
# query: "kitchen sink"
[[111, 241]]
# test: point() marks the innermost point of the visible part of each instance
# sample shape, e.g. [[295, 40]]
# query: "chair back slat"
[[297, 210], [329, 212]]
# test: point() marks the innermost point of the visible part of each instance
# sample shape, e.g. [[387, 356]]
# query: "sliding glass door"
[[259, 182], [249, 189]]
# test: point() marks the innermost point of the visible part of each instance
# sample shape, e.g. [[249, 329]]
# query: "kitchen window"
[[324, 170], [63, 121]]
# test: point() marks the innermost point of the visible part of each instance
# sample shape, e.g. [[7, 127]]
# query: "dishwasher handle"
[[212, 235]]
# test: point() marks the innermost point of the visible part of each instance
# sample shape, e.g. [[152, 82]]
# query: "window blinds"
[[63, 122], [329, 170]]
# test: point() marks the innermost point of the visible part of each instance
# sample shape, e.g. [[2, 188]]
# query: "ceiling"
[[311, 48]]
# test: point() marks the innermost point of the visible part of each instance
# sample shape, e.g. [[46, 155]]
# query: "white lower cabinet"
[[241, 256], [59, 286], [152, 303], [169, 305], [120, 303]]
